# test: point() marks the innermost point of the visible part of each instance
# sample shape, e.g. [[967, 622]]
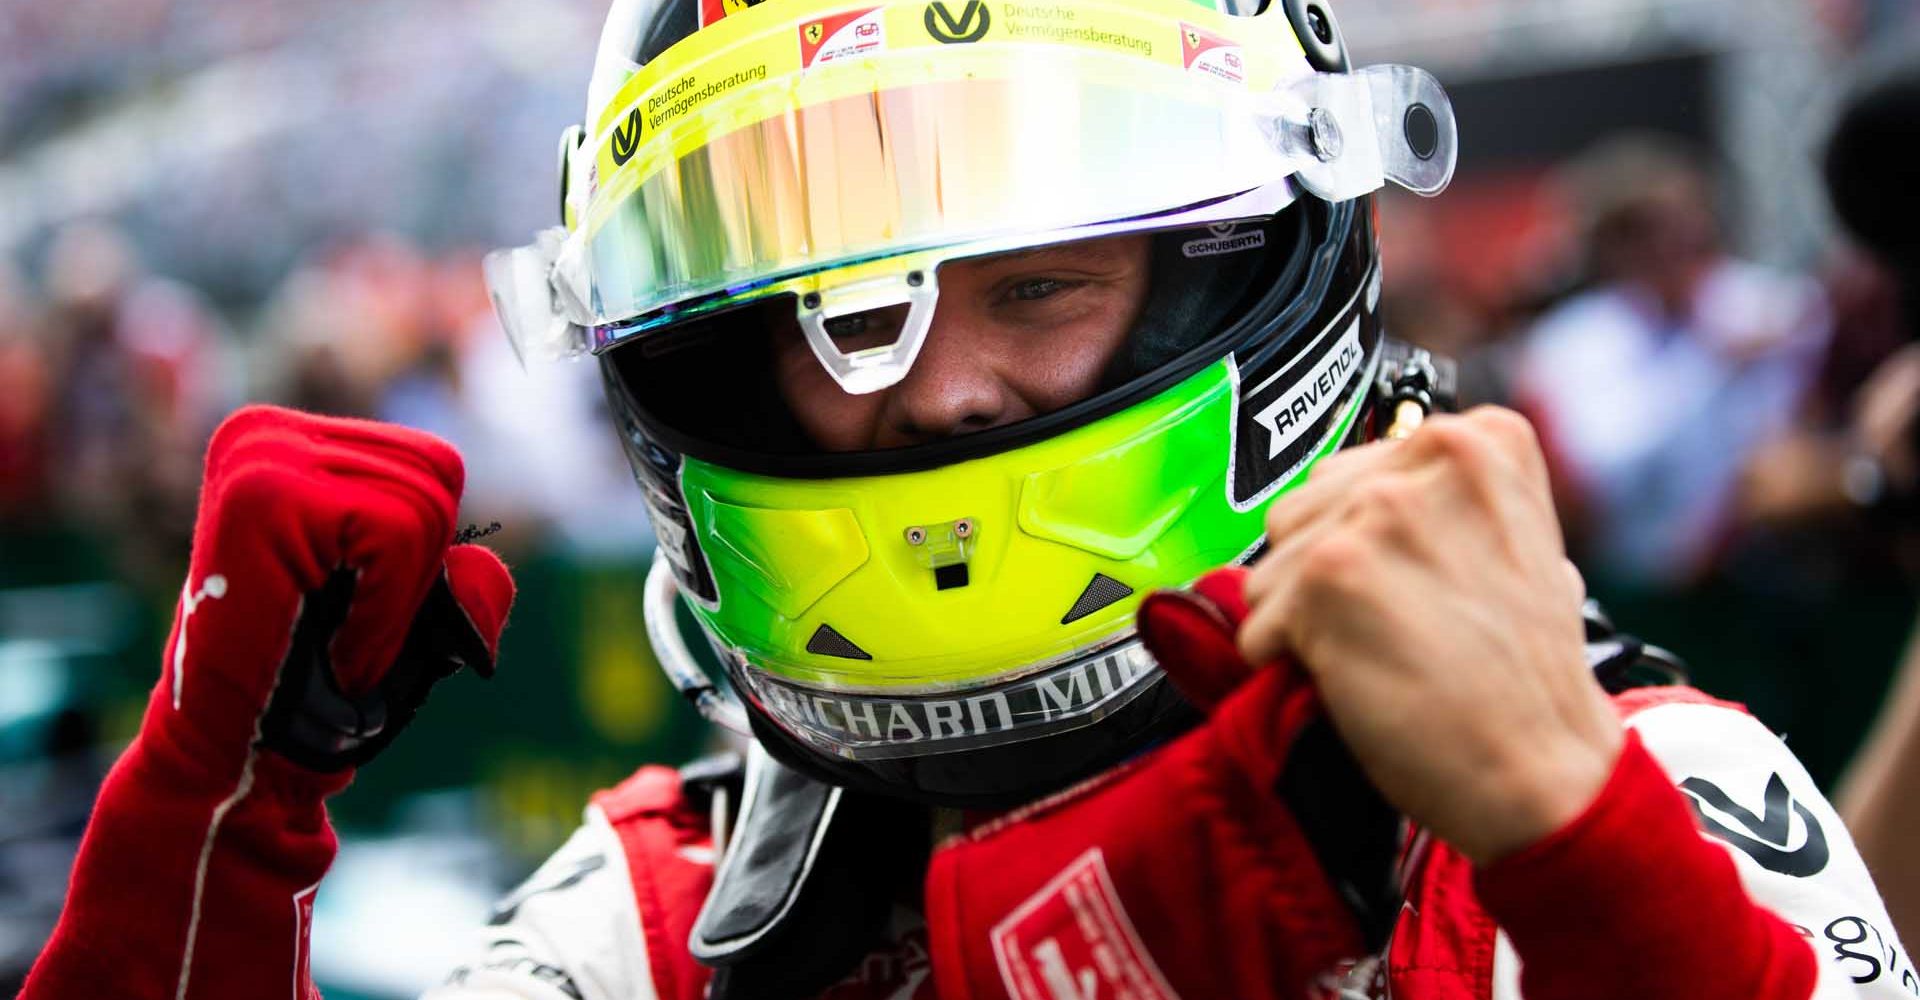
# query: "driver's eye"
[[1038, 288]]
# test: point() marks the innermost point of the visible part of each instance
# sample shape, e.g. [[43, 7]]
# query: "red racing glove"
[[1186, 874], [323, 599]]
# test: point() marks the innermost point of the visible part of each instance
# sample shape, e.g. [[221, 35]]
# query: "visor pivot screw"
[[915, 279], [962, 528], [1317, 23], [811, 300], [1326, 134], [916, 536]]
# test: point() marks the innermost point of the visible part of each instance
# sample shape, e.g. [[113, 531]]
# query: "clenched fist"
[[325, 593], [323, 599], [1424, 587]]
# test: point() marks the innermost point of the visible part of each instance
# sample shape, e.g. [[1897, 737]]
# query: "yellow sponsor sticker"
[[752, 65]]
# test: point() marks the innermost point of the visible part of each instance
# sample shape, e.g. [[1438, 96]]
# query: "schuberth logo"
[[626, 138], [970, 26], [1765, 835], [1223, 240]]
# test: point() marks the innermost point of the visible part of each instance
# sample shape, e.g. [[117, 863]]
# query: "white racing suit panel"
[[571, 931], [1793, 854]]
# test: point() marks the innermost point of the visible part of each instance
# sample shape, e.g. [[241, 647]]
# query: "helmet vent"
[[826, 642], [1101, 591]]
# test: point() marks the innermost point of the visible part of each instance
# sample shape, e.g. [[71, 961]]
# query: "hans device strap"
[[806, 885]]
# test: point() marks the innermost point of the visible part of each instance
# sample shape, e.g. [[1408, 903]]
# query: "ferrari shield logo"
[[839, 36]]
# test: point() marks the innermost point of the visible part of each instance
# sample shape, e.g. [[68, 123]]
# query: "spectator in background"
[[344, 327], [375, 328], [25, 401], [1816, 477], [1651, 387], [1880, 795], [135, 379]]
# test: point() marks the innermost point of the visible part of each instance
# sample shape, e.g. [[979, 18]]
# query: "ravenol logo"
[[970, 26], [626, 138], [1299, 409]]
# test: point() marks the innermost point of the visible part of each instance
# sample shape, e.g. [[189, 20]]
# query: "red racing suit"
[[1709, 866]]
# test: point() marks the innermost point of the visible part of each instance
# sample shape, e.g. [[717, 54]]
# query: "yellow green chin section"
[[852, 583]]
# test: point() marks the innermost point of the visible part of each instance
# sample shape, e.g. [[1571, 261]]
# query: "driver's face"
[[1014, 336]]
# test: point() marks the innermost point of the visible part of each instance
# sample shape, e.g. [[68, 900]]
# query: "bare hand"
[[1424, 586], [1884, 412]]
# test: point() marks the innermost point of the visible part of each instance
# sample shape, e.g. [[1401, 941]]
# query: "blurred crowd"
[[204, 202], [1728, 440], [112, 377]]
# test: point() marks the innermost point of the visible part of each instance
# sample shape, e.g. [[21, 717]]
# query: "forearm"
[[1880, 796], [191, 884], [321, 603]]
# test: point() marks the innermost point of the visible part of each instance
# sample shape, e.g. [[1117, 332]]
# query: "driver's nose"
[[955, 387]]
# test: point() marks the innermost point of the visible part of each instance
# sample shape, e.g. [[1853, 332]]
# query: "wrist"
[[183, 753], [1631, 875], [1542, 792]]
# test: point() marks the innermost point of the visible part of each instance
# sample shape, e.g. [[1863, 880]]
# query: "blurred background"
[[205, 202]]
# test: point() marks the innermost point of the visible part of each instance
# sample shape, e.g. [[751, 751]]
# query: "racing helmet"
[[951, 620]]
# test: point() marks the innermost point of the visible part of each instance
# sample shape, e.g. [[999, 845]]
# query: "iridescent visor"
[[1070, 138], [793, 139], [867, 726]]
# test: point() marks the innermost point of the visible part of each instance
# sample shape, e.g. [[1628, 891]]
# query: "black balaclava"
[[1200, 278]]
